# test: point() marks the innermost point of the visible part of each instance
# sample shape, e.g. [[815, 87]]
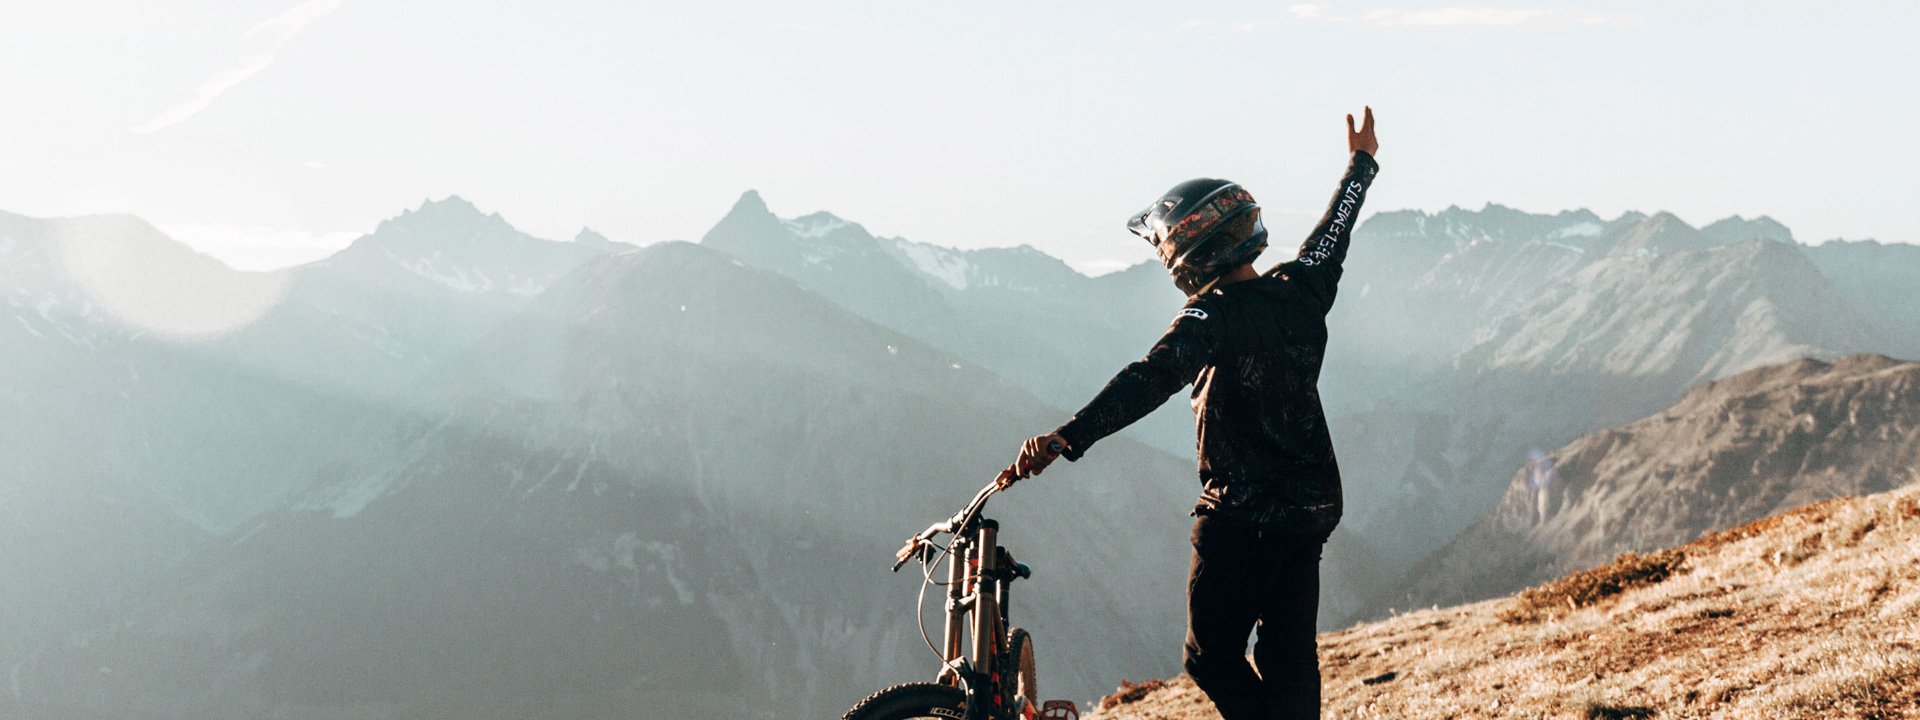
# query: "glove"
[[1036, 454]]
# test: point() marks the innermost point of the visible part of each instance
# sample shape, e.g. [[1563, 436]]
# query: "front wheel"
[[911, 700], [1024, 691]]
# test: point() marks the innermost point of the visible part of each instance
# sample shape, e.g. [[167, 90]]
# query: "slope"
[[123, 444], [1016, 311], [1813, 613], [1882, 280], [669, 487], [1730, 452], [1620, 338], [378, 319]]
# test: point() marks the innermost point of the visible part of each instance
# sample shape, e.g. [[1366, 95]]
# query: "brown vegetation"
[[1588, 587], [1811, 613]]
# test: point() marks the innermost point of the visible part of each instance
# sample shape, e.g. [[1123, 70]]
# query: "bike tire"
[[908, 701], [1026, 676]]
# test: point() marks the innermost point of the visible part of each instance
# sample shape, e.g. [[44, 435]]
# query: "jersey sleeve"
[[1145, 384], [1319, 264]]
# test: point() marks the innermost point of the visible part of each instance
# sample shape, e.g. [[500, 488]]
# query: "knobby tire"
[[1026, 678], [909, 701]]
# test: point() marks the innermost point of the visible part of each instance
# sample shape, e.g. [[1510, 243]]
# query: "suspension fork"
[[958, 577], [987, 634]]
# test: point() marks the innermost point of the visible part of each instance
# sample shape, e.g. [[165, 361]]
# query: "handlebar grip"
[[907, 552]]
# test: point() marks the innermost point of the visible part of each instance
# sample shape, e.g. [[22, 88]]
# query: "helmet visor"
[[1151, 223], [1174, 218]]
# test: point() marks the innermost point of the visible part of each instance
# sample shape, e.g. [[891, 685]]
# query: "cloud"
[[1464, 17], [265, 40]]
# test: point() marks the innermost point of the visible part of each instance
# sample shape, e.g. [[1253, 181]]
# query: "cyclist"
[[1251, 344]]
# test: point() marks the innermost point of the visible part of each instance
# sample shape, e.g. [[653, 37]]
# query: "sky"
[[272, 132]]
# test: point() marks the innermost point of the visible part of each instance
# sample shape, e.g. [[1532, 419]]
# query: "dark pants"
[[1244, 577]]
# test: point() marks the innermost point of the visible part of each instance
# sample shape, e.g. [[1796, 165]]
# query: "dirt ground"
[[1812, 613]]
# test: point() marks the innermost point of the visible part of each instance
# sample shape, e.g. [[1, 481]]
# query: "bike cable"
[[920, 609]]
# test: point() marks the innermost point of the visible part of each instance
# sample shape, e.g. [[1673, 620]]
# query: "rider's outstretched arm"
[[1324, 253], [1319, 265], [1146, 384]]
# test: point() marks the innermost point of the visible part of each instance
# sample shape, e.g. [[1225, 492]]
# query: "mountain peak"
[[453, 244], [1738, 229], [451, 205], [590, 238], [749, 224], [750, 202], [450, 215], [1663, 217], [1660, 233]]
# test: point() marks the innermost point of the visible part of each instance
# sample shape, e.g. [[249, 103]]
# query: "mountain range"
[[661, 480], [1733, 450], [456, 470]]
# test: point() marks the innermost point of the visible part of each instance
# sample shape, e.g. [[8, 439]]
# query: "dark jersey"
[[1252, 351]]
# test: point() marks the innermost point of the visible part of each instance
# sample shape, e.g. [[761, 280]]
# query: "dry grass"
[[1589, 587], [1130, 692], [1813, 613]]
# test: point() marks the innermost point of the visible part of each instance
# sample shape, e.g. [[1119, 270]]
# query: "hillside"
[[671, 482], [1812, 613], [1548, 328], [462, 470], [1730, 452]]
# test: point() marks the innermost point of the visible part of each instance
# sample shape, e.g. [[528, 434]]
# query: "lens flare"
[[155, 285]]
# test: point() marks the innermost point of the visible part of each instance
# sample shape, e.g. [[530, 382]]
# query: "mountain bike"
[[991, 677]]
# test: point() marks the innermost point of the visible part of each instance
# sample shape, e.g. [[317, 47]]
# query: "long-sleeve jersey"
[[1252, 351]]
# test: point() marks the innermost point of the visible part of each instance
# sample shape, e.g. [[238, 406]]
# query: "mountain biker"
[[1251, 344]]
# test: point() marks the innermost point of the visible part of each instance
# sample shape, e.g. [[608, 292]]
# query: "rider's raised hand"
[[1363, 138], [1036, 454]]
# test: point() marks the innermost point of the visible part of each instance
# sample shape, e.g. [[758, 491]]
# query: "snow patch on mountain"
[[1581, 229], [451, 244], [438, 268], [944, 264], [817, 225], [346, 499]]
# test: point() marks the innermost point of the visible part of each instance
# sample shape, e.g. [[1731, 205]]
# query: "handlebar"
[[916, 544]]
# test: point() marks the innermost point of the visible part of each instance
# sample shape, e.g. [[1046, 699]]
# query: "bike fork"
[[987, 634], [956, 610]]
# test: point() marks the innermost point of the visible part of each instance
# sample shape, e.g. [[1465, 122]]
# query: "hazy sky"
[[268, 131]]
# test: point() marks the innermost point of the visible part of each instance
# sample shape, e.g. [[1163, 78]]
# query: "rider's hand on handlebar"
[[1036, 454]]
